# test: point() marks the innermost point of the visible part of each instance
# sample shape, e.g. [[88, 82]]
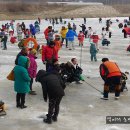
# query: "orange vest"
[[113, 69]]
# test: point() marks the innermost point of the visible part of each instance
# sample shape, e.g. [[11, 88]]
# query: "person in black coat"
[[83, 28], [53, 88], [23, 26], [23, 52]]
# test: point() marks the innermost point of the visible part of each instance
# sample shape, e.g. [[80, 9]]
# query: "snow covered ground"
[[81, 108]]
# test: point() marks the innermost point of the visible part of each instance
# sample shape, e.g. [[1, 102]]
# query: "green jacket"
[[22, 79]]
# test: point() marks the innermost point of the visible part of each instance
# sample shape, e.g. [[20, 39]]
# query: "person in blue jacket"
[[22, 81], [70, 37], [32, 30]]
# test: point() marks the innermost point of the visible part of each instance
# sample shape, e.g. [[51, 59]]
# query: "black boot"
[[47, 120], [18, 105], [23, 106], [54, 118]]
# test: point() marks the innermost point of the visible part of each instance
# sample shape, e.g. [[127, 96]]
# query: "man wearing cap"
[[111, 75]]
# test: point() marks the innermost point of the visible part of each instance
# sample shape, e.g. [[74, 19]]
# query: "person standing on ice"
[[23, 26], [103, 33], [39, 20], [4, 39], [22, 81], [19, 32], [111, 74], [125, 31], [70, 37], [84, 20], [74, 27], [63, 33], [32, 70], [49, 54], [61, 20], [83, 28], [95, 39], [32, 30], [49, 28], [93, 51], [53, 89], [81, 38], [90, 31], [100, 20], [23, 52]]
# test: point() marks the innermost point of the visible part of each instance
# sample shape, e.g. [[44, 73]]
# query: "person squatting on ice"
[[111, 75], [53, 89]]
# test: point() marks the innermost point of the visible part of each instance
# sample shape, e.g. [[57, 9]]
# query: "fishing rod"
[[94, 87]]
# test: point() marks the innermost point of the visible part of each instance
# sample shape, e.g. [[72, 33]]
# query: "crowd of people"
[[53, 80]]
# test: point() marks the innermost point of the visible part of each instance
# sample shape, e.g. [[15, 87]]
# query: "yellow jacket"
[[63, 32]]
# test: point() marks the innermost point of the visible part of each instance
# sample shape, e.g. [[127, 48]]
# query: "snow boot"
[[23, 106], [54, 118], [47, 120]]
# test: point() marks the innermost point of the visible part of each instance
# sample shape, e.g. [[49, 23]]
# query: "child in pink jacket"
[[81, 38], [32, 70]]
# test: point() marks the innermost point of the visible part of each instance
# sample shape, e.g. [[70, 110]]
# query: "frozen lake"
[[81, 108]]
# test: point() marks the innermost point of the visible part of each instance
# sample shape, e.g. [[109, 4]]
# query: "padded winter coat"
[[81, 37], [70, 35], [22, 79], [46, 33], [32, 70], [95, 38], [63, 32], [49, 53], [32, 29], [52, 84]]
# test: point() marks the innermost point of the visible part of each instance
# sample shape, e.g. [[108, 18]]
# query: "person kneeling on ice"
[[53, 88], [111, 75]]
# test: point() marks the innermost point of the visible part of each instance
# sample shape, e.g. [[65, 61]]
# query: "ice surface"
[[81, 108]]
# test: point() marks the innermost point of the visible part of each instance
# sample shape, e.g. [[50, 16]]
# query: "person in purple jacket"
[[32, 70]]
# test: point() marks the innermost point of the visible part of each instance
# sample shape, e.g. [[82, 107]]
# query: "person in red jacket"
[[111, 75], [49, 54], [81, 38], [95, 38], [46, 33]]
